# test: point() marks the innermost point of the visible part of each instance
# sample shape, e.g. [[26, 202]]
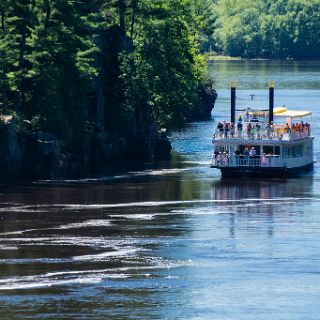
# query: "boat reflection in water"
[[254, 201], [268, 189]]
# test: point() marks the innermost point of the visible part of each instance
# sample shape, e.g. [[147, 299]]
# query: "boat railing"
[[225, 160], [278, 132]]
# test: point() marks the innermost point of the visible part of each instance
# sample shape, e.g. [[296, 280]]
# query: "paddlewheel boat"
[[264, 143]]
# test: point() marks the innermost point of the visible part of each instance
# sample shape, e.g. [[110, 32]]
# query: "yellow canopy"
[[279, 110], [294, 113]]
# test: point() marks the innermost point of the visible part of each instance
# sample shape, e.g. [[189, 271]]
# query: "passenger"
[[240, 119], [287, 128], [249, 128], [308, 128], [258, 128], [239, 129], [246, 155], [273, 129], [219, 159], [232, 130], [252, 152], [220, 129], [226, 130], [269, 129], [264, 160], [225, 159], [253, 131]]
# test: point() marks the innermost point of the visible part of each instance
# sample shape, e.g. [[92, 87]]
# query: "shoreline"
[[218, 58]]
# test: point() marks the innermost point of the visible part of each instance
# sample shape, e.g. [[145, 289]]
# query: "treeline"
[[266, 28], [102, 68]]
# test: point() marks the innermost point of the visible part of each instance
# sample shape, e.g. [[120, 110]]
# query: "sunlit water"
[[173, 242]]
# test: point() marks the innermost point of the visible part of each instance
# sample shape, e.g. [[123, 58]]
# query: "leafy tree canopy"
[[76, 67], [266, 28]]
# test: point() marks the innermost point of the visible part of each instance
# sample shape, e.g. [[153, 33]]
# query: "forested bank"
[[87, 82], [263, 28], [84, 82]]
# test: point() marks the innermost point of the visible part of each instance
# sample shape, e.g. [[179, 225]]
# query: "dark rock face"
[[162, 150], [209, 97], [103, 152], [28, 155], [10, 159], [140, 147], [48, 156]]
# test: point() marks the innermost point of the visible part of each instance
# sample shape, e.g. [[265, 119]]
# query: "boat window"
[[287, 152], [297, 151], [271, 150], [268, 150]]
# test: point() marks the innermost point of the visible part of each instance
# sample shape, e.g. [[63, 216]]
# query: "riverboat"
[[264, 143]]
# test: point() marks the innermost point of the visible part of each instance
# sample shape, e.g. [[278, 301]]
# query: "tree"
[[161, 76], [101, 69], [283, 28]]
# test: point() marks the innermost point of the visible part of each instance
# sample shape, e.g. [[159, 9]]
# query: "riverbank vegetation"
[[264, 28], [96, 72], [58, 57]]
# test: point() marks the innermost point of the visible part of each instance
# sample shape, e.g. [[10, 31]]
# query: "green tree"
[[283, 28], [161, 76], [101, 69]]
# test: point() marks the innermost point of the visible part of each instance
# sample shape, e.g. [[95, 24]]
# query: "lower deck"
[[264, 154]]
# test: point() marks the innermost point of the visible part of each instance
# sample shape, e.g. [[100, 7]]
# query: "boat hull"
[[258, 172]]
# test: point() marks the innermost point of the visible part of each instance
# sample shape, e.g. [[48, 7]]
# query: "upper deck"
[[289, 125], [276, 132]]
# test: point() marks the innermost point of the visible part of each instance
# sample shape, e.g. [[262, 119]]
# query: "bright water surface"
[[176, 242]]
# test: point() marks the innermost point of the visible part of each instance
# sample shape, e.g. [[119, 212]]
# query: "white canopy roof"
[[279, 112]]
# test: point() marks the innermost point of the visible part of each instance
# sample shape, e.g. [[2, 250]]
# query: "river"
[[172, 241]]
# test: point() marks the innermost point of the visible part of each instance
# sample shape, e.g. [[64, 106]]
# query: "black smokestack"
[[271, 100], [233, 101]]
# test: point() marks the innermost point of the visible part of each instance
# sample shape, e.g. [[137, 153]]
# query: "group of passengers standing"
[[255, 131], [244, 156], [229, 130]]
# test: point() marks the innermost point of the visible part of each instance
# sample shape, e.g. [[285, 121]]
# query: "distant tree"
[[205, 18], [283, 28]]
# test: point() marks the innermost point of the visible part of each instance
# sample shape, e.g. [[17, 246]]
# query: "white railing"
[[278, 133], [247, 161]]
